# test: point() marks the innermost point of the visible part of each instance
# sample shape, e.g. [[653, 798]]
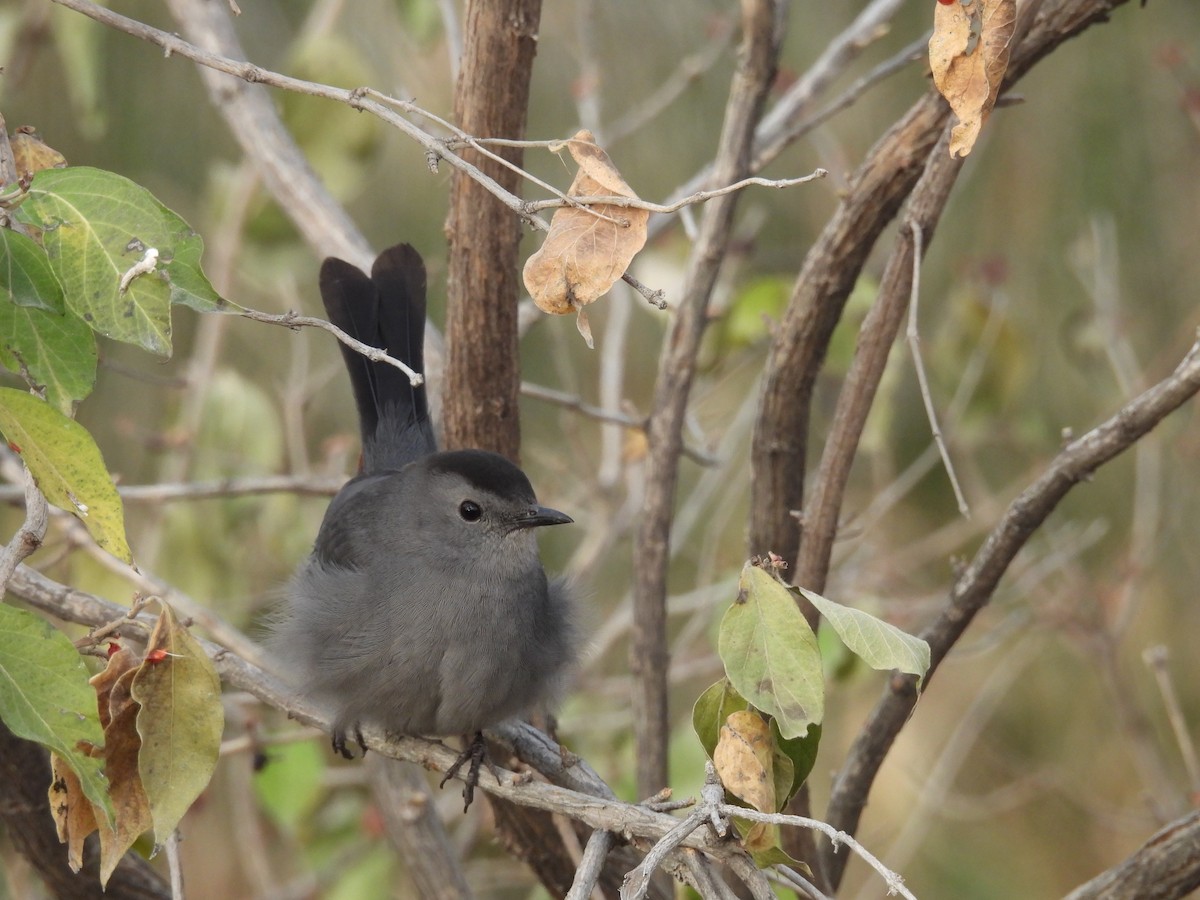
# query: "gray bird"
[[423, 608]]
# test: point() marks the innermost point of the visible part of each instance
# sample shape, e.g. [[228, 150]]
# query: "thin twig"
[[894, 882], [974, 588], [913, 336], [292, 319], [573, 402], [1156, 659], [175, 866], [794, 879], [29, 536], [691, 200], [222, 489]]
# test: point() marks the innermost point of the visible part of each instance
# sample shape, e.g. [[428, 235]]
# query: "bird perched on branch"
[[423, 608]]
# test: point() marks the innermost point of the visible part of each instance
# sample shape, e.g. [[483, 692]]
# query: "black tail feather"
[[386, 311]]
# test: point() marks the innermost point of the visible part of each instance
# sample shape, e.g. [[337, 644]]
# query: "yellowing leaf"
[[67, 466], [31, 154], [743, 758], [180, 721], [770, 654], [968, 55], [584, 254]]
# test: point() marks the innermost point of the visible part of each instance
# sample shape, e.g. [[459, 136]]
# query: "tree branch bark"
[[762, 26], [1166, 867], [974, 588], [482, 376]]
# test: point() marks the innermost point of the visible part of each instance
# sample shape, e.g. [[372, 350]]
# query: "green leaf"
[[55, 351], [189, 286], [802, 752], [180, 722], [880, 644], [67, 466], [290, 785], [25, 274], [770, 653], [712, 709], [45, 696], [95, 227]]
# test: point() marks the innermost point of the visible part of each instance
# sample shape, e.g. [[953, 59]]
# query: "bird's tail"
[[386, 311]]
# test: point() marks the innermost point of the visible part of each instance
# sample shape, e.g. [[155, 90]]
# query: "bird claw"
[[339, 742], [476, 753]]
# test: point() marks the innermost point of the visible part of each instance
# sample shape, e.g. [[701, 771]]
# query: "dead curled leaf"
[[74, 815], [31, 154], [743, 759], [587, 249], [968, 56]]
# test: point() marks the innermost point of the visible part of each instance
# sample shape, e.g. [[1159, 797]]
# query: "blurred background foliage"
[[1062, 280]]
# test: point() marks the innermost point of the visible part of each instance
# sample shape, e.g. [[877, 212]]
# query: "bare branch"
[[1166, 867], [292, 319], [876, 337], [913, 335], [762, 34], [698, 197], [974, 588], [598, 808], [29, 536]]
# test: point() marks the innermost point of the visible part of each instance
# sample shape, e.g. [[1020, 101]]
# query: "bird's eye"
[[470, 511]]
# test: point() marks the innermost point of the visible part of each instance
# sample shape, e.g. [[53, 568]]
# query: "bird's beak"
[[543, 515]]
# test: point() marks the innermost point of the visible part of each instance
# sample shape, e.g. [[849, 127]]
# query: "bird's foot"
[[339, 741], [475, 752]]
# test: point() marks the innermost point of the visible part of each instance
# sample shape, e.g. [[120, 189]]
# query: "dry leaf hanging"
[[587, 249], [968, 55]]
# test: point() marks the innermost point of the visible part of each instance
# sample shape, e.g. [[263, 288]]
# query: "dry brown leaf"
[[31, 154], [74, 815], [584, 255], [968, 55], [118, 716], [744, 759]]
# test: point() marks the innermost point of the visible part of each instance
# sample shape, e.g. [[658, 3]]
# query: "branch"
[[585, 797], [294, 320], [762, 34], [876, 337], [975, 586], [29, 536], [693, 199], [1166, 867]]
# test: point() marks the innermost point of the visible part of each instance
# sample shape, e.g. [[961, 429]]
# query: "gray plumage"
[[423, 607]]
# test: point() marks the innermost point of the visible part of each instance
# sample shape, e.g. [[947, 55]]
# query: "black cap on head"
[[487, 471]]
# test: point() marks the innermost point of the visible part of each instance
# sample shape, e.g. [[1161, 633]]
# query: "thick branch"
[[586, 798], [1166, 867], [974, 588], [648, 658], [832, 266], [875, 339], [482, 362]]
